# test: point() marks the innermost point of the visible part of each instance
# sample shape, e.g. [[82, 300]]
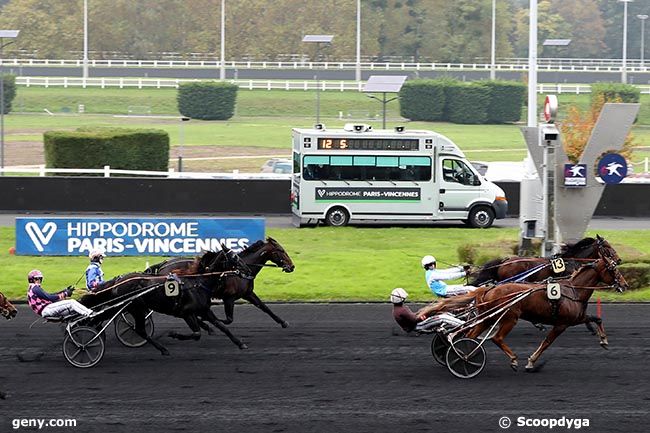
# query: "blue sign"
[[612, 168], [134, 236], [575, 175]]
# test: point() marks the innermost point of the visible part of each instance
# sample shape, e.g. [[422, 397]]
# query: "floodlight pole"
[[624, 68], [222, 70], [12, 35], [384, 102], [493, 72], [357, 75], [85, 59], [642, 17]]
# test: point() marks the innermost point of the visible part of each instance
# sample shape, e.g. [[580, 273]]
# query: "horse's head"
[[226, 259], [609, 273], [276, 254], [7, 310], [606, 250]]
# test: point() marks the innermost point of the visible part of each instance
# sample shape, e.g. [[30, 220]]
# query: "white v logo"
[[39, 236]]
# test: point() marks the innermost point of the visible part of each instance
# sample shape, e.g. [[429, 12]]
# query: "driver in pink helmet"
[[52, 304]]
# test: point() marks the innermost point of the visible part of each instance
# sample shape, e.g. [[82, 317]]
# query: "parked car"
[[278, 165]]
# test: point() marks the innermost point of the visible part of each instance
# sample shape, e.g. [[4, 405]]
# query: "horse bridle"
[[5, 309]]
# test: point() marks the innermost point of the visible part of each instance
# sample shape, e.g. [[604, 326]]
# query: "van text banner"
[[134, 236]]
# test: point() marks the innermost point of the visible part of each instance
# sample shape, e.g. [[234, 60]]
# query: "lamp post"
[[222, 70], [357, 75], [624, 68], [318, 39], [532, 65], [557, 43], [642, 17], [182, 139], [11, 35], [85, 59], [493, 72]]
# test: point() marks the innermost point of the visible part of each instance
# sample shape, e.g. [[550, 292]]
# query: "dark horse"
[[7, 310], [240, 286], [193, 300], [575, 255], [569, 310]]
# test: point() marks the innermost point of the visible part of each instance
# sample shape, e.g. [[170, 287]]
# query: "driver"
[[94, 273], [402, 314], [52, 305], [435, 277]]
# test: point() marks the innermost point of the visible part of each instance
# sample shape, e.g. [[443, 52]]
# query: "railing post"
[[645, 165], [41, 170], [107, 171]]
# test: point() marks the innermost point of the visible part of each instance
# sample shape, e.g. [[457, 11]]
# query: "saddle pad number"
[[172, 288], [553, 291], [558, 266]]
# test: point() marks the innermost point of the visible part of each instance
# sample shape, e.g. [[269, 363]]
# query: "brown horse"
[[574, 255], [569, 310], [7, 310], [235, 287]]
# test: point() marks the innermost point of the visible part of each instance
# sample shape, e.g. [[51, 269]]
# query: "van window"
[[367, 168], [454, 170]]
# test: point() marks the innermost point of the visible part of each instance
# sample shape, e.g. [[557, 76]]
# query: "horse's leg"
[[255, 300], [550, 338], [600, 329], [193, 322], [205, 326], [140, 328], [210, 317], [590, 327], [229, 308], [507, 323]]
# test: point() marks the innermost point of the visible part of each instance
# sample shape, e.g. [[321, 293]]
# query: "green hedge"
[[9, 92], [121, 148], [468, 103], [614, 91], [207, 100], [507, 99], [423, 100]]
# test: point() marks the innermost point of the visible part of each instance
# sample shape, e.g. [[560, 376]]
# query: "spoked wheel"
[[125, 330], [439, 346], [83, 347], [465, 358]]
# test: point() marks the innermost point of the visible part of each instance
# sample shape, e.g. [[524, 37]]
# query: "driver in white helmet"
[[435, 278], [94, 273], [402, 314]]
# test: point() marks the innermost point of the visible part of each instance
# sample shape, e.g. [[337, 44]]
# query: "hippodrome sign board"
[[134, 236]]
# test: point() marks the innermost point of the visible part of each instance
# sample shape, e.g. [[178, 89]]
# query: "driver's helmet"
[[428, 260], [33, 275], [96, 254], [398, 295]]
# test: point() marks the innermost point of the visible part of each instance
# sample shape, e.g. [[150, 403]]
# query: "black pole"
[[383, 125]]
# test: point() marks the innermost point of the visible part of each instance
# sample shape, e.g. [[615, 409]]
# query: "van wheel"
[[481, 217], [337, 217]]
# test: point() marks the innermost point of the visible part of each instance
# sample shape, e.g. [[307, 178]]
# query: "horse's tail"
[[452, 303]]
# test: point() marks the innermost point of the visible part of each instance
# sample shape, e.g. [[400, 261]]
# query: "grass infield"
[[332, 264]]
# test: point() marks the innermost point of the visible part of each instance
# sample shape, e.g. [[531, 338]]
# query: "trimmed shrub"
[[468, 103], [422, 100], [120, 148], [637, 275], [207, 100], [507, 99], [615, 92], [9, 84]]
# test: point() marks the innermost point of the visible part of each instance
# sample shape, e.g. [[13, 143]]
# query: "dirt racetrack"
[[337, 368]]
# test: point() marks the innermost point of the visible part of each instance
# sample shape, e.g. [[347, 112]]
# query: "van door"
[[459, 187]]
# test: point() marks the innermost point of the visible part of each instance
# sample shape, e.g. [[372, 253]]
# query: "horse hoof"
[[165, 352], [172, 334], [3, 396], [514, 366], [243, 346], [284, 324], [604, 345]]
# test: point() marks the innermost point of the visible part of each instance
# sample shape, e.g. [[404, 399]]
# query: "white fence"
[[160, 83], [509, 65]]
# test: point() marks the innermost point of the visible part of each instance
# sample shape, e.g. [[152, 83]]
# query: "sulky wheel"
[[439, 346], [83, 346], [465, 358], [125, 330]]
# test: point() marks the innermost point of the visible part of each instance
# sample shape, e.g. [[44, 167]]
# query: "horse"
[[569, 310], [241, 286], [501, 269], [193, 300], [7, 310]]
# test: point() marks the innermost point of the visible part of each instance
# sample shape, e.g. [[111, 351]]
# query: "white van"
[[359, 174]]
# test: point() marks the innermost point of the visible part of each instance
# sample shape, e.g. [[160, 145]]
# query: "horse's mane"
[[489, 271], [571, 249], [253, 248]]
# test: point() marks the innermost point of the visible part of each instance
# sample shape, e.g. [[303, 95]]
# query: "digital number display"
[[368, 144]]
